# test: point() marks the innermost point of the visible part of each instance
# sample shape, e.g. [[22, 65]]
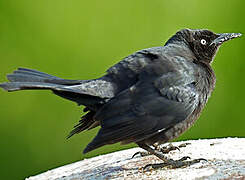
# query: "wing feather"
[[160, 99]]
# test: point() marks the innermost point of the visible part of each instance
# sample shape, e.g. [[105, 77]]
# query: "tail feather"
[[84, 124], [24, 78], [15, 86], [30, 75], [33, 72], [83, 92], [74, 90]]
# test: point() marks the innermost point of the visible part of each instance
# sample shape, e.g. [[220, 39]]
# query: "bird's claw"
[[142, 154], [173, 164], [170, 147], [184, 158], [165, 149]]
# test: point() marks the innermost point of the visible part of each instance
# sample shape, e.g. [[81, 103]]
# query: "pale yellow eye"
[[203, 42]]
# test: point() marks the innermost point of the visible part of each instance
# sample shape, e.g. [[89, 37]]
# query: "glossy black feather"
[[151, 96], [146, 108]]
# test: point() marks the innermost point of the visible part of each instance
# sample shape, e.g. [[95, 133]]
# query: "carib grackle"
[[148, 98]]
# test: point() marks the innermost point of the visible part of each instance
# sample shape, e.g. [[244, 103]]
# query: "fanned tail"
[[23, 78], [79, 91]]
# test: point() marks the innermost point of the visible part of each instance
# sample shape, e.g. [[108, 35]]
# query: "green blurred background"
[[80, 40]]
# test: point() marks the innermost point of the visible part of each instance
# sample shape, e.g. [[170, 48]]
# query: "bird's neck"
[[207, 81], [179, 49]]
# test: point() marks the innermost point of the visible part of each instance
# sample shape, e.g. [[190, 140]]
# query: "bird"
[[148, 98]]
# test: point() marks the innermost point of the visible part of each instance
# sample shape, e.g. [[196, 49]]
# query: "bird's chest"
[[205, 88], [180, 128]]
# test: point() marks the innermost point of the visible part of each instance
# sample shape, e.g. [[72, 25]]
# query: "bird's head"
[[203, 43]]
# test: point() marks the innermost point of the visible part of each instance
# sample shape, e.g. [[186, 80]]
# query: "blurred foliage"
[[80, 40]]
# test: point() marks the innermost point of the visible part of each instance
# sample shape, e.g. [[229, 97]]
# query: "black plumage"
[[150, 97]]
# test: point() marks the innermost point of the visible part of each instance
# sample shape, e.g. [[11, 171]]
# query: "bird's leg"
[[155, 152], [167, 162], [165, 149], [147, 153]]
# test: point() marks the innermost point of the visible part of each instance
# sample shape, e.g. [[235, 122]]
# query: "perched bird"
[[148, 98]]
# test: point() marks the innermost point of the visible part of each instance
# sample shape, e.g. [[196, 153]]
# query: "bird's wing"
[[125, 73], [156, 102]]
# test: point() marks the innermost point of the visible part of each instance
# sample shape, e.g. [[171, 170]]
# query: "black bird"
[[149, 98]]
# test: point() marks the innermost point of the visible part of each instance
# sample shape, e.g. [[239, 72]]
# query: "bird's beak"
[[224, 37]]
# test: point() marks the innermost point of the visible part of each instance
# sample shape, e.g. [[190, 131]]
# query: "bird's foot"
[[170, 147], [170, 163], [165, 149]]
